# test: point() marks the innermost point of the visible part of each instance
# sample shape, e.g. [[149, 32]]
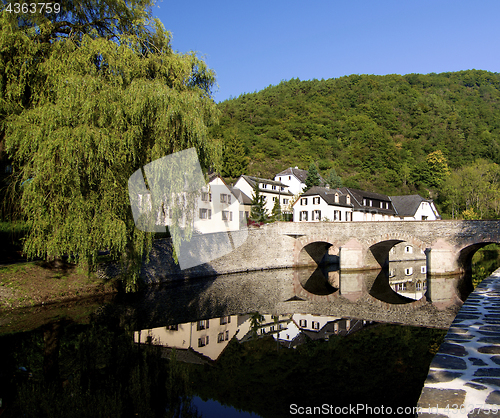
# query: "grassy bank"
[[36, 283]]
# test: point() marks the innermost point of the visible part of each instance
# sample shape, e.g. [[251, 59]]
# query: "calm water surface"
[[241, 345]]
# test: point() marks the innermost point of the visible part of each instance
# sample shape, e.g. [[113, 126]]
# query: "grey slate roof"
[[328, 195], [297, 172], [251, 181], [407, 205], [242, 197], [357, 197]]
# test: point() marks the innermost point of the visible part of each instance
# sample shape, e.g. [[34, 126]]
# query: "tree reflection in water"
[[90, 371]]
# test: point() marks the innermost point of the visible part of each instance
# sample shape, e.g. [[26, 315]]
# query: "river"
[[238, 345]]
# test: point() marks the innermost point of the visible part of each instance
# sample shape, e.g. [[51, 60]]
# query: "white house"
[[414, 208], [216, 209], [369, 206], [321, 204], [294, 178], [270, 189]]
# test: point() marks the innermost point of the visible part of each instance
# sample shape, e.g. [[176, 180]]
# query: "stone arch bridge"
[[357, 246], [449, 245]]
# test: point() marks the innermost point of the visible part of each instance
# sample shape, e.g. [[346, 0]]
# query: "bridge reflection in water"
[[324, 291]]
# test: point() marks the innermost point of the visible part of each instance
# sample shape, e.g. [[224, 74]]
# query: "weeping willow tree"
[[87, 97]]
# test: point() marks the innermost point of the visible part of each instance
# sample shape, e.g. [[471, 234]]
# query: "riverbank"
[[27, 284]]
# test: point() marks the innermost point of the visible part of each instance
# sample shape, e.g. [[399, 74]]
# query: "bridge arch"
[[466, 251], [314, 250], [380, 246]]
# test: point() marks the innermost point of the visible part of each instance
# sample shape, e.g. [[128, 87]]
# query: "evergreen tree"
[[312, 177], [276, 212], [258, 212], [333, 179], [234, 159]]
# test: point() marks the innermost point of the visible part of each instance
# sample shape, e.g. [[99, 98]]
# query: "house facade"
[[323, 204], [415, 208], [216, 209], [369, 206], [295, 179], [271, 190]]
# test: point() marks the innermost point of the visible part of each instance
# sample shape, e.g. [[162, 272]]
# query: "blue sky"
[[251, 45]]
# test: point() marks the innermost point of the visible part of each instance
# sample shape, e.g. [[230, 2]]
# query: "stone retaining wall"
[[464, 377]]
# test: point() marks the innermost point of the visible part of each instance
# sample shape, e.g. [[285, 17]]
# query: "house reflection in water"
[[207, 337], [205, 340], [408, 270]]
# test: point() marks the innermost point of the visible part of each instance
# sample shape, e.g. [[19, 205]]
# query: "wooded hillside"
[[391, 134]]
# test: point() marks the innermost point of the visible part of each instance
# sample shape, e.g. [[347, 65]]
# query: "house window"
[[203, 324], [274, 199], [423, 269], [364, 202], [303, 215], [337, 215], [274, 187], [315, 200], [382, 204], [225, 320], [408, 249], [173, 327], [418, 285], [315, 325], [206, 197], [303, 201], [227, 215], [289, 177], [336, 198], [371, 202], [316, 215], [282, 188], [285, 201], [203, 341], [205, 213], [424, 218], [409, 271], [400, 286], [348, 199], [225, 198], [264, 185], [220, 337], [302, 322]]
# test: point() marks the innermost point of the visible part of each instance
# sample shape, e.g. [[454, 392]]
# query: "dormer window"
[[348, 199], [336, 198]]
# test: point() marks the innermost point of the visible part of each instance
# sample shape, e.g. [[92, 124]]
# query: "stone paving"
[[464, 377]]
